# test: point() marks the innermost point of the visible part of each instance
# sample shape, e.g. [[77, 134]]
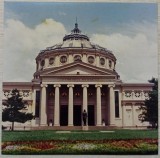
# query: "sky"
[[128, 29]]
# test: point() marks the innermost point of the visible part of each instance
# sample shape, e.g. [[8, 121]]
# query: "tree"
[[150, 106], [14, 107]]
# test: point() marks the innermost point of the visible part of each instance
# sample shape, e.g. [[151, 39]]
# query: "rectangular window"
[[116, 104], [37, 103]]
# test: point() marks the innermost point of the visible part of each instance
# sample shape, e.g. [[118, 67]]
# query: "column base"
[[98, 125], [112, 125], [85, 128], [56, 125], [70, 125], [43, 125]]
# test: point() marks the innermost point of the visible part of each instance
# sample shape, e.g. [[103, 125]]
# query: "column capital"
[[85, 85], [57, 85], [44, 85], [111, 85], [70, 85], [98, 85]]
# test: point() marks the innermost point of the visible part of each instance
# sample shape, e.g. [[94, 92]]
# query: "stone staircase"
[[70, 128]]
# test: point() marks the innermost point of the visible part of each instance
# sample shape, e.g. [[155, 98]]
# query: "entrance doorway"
[[91, 115], [63, 115], [77, 115]]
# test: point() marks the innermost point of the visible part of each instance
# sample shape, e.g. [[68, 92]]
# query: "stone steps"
[[68, 128]]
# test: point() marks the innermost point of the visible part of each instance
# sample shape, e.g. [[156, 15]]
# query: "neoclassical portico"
[[70, 98]]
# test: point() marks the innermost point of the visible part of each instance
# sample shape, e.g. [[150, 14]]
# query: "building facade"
[[78, 75]]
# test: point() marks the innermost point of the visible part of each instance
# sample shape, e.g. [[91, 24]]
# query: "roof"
[[76, 39]]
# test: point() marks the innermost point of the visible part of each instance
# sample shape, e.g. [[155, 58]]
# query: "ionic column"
[[123, 114], [57, 60], [97, 60], [70, 105], [84, 57], [39, 65], [98, 107], [133, 109], [107, 63], [70, 58], [56, 105], [85, 97], [112, 105], [43, 109], [46, 62], [33, 106]]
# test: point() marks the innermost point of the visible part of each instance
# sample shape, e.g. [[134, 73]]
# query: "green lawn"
[[120, 142], [77, 135]]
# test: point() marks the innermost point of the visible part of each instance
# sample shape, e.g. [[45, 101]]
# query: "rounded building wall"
[[55, 60]]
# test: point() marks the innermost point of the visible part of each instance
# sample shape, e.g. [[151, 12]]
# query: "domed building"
[[74, 76]]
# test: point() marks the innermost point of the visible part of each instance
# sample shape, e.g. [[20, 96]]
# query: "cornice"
[[48, 53], [17, 83], [137, 84]]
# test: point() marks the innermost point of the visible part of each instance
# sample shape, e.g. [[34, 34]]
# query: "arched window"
[[91, 59], [77, 58], [110, 64], [102, 61], [63, 59], [42, 63], [51, 61]]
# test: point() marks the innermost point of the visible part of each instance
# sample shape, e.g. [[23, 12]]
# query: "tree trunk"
[[12, 126]]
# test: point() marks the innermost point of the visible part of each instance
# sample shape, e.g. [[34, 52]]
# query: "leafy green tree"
[[14, 108], [150, 107]]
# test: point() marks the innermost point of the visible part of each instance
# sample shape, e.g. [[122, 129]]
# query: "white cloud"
[[136, 55], [136, 52], [22, 45]]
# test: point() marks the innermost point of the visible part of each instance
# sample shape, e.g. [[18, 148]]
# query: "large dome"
[[76, 39], [75, 47]]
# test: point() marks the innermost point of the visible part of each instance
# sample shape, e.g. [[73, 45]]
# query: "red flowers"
[[80, 145]]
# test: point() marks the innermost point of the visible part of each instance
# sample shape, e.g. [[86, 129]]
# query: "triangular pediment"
[[76, 68]]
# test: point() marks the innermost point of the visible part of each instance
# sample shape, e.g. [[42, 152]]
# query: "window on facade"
[[63, 59], [116, 104], [42, 63], [37, 103], [51, 61], [110, 63], [91, 59], [102, 61], [77, 58]]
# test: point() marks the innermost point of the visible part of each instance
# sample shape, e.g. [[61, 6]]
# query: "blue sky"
[[129, 29], [100, 15]]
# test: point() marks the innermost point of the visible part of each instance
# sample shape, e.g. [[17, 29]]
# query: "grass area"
[[77, 135], [119, 142]]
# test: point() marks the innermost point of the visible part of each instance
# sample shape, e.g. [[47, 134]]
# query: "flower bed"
[[136, 146]]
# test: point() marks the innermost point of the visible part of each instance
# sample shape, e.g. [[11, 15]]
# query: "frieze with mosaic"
[[25, 93], [137, 94], [6, 93], [146, 94], [128, 94]]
